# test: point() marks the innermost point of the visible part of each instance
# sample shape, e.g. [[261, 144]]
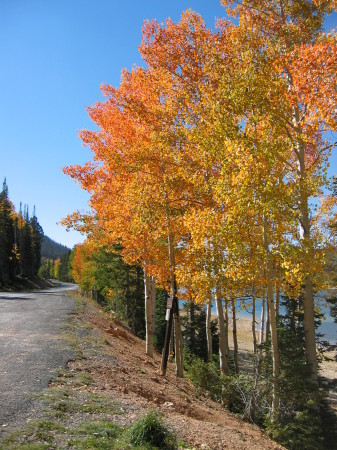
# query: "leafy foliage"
[[206, 377]]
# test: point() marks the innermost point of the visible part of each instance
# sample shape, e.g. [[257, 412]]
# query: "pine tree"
[[36, 239], [123, 284], [7, 256], [64, 268], [194, 331], [26, 251]]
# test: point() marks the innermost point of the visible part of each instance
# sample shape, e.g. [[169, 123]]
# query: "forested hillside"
[[51, 249], [55, 261], [20, 241], [25, 252]]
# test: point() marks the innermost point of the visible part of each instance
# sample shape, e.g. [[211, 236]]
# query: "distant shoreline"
[[328, 369]]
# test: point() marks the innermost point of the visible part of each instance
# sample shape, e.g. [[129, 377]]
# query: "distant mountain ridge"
[[51, 249]]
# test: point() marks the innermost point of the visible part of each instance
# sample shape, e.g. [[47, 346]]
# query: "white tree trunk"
[[222, 349], [153, 304], [178, 347], [148, 314], [263, 309], [267, 329], [175, 308], [277, 302], [208, 329], [254, 321], [308, 297], [226, 333], [305, 238], [273, 328], [235, 339], [171, 352]]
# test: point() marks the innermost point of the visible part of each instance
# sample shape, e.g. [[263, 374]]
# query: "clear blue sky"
[[54, 56]]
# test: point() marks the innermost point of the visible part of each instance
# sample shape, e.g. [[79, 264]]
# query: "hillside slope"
[[51, 249], [120, 370]]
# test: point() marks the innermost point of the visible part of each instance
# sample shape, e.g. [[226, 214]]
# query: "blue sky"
[[54, 56]]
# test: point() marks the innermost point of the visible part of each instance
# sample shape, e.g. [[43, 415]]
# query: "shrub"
[[303, 432], [151, 430], [206, 377]]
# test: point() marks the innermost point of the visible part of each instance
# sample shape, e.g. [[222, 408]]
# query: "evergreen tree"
[[20, 240], [194, 331], [7, 238], [127, 285], [36, 238], [26, 252], [159, 334], [64, 272], [302, 423]]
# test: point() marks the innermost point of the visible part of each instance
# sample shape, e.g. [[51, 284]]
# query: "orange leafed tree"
[[136, 164]]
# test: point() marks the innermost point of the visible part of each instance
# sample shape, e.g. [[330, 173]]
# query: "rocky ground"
[[111, 379]]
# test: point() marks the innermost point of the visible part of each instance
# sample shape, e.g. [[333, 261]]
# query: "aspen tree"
[[303, 106]]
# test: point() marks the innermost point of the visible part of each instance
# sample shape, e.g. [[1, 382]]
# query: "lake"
[[328, 327]]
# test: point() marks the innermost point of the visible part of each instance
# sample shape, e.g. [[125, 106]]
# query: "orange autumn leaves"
[[198, 145]]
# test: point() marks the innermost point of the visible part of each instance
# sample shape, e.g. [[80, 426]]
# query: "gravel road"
[[31, 348]]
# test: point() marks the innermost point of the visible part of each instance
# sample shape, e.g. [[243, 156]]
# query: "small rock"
[[168, 405], [149, 363]]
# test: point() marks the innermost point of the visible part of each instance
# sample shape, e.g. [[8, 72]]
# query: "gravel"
[[31, 349]]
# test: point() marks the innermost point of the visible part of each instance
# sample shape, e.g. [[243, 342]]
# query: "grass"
[[38, 434], [147, 433], [151, 431], [95, 435], [52, 435], [63, 401], [83, 379]]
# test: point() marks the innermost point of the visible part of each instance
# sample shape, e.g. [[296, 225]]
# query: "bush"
[[237, 391], [151, 430], [205, 377], [303, 432]]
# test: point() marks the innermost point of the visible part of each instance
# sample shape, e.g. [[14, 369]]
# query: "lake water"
[[328, 327]]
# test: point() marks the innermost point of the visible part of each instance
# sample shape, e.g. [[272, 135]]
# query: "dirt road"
[[31, 348]]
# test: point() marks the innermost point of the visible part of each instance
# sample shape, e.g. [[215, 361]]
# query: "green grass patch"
[[150, 431], [62, 402], [38, 434], [147, 433], [95, 435], [83, 379], [99, 404]]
